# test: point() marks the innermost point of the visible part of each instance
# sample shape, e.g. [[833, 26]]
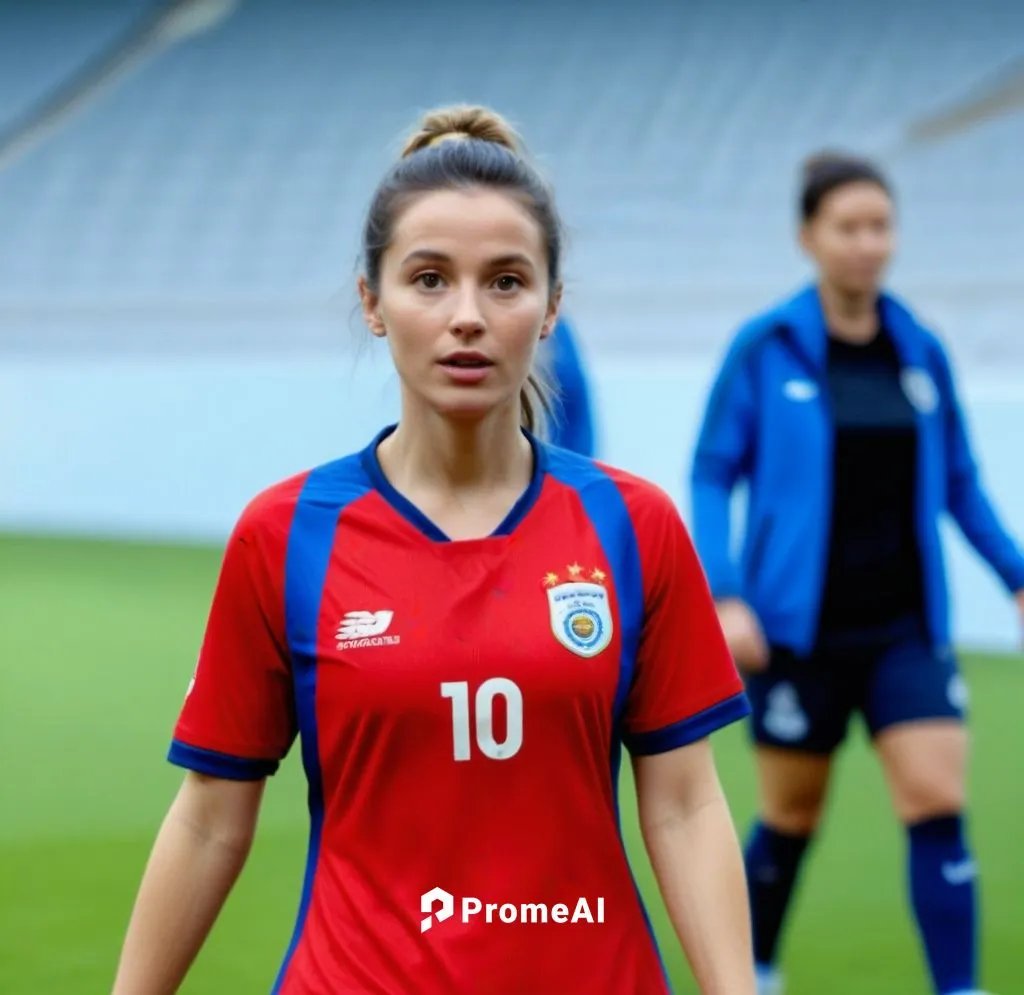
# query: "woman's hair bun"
[[827, 160], [462, 122]]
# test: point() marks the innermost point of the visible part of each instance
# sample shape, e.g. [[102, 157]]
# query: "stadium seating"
[[44, 42], [232, 170]]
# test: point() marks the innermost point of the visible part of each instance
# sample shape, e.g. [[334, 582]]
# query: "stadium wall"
[[173, 449]]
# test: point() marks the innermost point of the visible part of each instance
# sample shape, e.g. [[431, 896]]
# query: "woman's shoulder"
[[336, 483], [270, 510], [642, 498], [768, 324], [901, 317]]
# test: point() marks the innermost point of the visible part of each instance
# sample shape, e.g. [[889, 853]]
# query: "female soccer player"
[[840, 412], [463, 625]]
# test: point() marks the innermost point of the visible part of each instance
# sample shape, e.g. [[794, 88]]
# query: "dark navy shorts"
[[887, 677]]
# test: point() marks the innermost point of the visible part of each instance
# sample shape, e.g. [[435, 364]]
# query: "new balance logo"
[[359, 629]]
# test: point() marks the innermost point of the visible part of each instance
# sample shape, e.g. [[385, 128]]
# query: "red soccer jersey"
[[461, 707]]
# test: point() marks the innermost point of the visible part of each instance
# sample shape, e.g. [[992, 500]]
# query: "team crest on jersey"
[[581, 613]]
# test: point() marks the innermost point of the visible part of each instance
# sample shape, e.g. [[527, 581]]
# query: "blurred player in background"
[[571, 424], [840, 412], [464, 625]]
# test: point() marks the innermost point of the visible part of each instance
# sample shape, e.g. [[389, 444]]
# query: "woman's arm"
[[967, 500], [690, 838], [199, 853], [721, 458], [684, 688]]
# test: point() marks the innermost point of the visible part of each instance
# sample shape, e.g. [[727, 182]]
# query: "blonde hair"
[[463, 122], [454, 148]]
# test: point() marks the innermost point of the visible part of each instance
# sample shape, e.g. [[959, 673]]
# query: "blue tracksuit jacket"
[[767, 423], [572, 423]]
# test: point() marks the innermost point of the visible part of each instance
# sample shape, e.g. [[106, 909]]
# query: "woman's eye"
[[430, 281], [508, 282]]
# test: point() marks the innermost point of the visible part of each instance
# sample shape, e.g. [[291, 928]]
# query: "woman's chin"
[[469, 406]]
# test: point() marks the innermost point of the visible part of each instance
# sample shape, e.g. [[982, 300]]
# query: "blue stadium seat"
[[234, 168]]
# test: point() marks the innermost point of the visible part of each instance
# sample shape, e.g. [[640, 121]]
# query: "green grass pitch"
[[97, 643]]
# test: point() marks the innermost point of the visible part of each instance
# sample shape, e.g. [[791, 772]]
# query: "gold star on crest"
[[575, 570], [550, 579], [598, 574]]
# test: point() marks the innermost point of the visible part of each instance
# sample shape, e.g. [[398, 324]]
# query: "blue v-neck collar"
[[416, 518]]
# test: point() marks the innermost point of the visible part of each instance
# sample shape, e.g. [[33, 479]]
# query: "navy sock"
[[943, 894], [773, 861]]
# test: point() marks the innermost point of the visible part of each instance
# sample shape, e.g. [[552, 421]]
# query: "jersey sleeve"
[[238, 719], [685, 684]]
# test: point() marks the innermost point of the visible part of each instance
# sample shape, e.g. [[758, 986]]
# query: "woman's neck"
[[433, 454], [850, 317]]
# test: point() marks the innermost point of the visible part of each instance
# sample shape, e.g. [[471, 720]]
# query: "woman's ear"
[[551, 316], [806, 239], [371, 309]]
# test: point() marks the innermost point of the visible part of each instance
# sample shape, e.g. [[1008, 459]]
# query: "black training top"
[[874, 564]]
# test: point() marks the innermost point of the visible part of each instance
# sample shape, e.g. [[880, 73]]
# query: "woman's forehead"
[[471, 221]]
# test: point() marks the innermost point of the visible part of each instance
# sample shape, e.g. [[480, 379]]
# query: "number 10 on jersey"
[[483, 709]]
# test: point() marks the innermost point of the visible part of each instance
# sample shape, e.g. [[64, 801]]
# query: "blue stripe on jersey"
[[607, 511], [689, 730], [328, 490], [223, 765], [605, 507]]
